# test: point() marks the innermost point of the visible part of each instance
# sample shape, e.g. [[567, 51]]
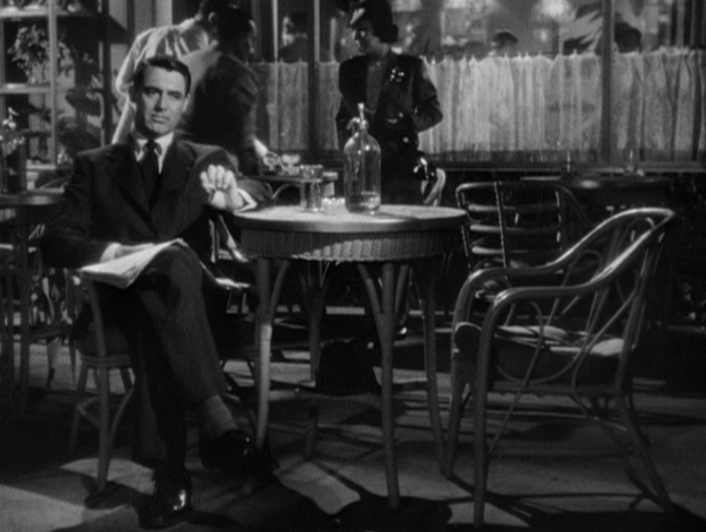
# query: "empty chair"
[[433, 187], [517, 223], [575, 338]]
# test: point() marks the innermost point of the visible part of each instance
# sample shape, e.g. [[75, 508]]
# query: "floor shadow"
[[629, 521]]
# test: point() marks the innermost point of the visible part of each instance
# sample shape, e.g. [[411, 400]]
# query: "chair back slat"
[[517, 223]]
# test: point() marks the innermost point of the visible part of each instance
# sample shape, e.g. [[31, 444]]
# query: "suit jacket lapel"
[[387, 86]]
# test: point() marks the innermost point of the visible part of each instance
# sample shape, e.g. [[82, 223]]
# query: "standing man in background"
[[222, 108]]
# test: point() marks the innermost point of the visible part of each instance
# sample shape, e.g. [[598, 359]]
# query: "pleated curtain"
[[535, 106]]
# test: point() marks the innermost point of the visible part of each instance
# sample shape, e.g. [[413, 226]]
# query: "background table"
[[398, 237], [279, 183], [603, 195], [29, 208]]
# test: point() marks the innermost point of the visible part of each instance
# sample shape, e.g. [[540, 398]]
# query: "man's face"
[[160, 102], [367, 41]]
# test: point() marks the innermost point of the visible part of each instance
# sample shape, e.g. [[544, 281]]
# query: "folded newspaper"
[[123, 271]]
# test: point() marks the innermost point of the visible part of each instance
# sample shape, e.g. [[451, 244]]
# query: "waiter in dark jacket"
[[400, 99], [149, 189], [222, 109]]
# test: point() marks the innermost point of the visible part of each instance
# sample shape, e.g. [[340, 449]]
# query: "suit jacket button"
[[400, 114], [405, 140]]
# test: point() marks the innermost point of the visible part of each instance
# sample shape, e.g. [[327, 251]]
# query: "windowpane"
[[496, 27]]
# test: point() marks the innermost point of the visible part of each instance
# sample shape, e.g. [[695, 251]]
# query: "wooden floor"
[[343, 486]]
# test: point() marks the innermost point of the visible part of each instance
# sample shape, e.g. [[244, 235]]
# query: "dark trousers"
[[167, 315]]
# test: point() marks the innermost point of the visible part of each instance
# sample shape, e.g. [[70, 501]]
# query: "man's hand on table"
[[222, 188]]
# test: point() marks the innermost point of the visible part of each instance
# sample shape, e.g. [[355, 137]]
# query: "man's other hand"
[[222, 188]]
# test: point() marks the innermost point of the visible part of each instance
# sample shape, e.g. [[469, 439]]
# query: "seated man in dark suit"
[[153, 188]]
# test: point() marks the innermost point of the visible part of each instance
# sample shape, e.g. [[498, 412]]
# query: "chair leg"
[[118, 415], [629, 417], [455, 411], [126, 378], [80, 390], [480, 456], [104, 443], [53, 347], [72, 360], [428, 305], [313, 432]]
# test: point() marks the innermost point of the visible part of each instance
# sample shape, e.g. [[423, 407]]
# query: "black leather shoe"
[[233, 452], [170, 503]]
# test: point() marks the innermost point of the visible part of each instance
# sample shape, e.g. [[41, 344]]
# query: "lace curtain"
[[539, 106]]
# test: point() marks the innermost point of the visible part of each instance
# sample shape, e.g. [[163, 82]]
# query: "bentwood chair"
[[432, 189], [576, 338], [513, 223]]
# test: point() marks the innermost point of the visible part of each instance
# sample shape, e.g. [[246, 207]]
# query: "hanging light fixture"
[[475, 7], [399, 6], [560, 11]]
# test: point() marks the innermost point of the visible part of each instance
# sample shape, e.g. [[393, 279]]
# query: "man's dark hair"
[[298, 20], [167, 62], [379, 13], [504, 38], [215, 6], [628, 38], [233, 23]]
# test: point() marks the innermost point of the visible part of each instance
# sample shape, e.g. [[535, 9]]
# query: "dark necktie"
[[149, 167]]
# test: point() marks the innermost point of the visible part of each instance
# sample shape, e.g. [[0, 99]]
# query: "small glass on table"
[[310, 188]]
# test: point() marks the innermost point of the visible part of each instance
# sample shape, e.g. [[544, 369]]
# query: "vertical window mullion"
[[608, 11]]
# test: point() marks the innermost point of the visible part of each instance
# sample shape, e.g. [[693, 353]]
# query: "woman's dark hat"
[[378, 12]]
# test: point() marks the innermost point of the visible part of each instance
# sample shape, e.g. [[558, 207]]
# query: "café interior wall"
[[532, 108]]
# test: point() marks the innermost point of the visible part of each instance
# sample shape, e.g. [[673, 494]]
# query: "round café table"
[[398, 238], [26, 209]]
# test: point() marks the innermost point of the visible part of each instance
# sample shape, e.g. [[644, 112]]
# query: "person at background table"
[[194, 33], [503, 44], [223, 104], [294, 39], [400, 99], [124, 197]]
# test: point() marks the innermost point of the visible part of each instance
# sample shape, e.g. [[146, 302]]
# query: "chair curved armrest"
[[477, 279]]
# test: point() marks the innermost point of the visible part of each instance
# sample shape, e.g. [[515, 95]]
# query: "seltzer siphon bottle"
[[361, 168]]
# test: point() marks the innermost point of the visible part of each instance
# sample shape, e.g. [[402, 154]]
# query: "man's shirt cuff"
[[248, 202]]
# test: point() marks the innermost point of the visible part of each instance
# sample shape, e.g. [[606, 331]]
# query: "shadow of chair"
[[517, 222], [575, 337]]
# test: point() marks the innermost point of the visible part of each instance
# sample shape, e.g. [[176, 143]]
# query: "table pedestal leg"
[[425, 273], [314, 282], [265, 314], [383, 310]]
